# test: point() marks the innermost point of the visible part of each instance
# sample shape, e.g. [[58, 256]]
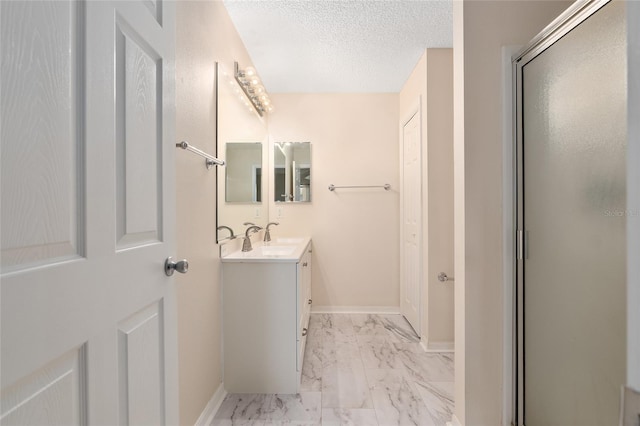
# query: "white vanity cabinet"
[[266, 306]]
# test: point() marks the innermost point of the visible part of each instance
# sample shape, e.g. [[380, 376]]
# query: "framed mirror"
[[243, 172], [292, 172], [242, 141]]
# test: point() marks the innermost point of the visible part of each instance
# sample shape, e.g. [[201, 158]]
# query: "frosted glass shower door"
[[574, 147]]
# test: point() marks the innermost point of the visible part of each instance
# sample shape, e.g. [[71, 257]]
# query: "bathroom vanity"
[[266, 306]]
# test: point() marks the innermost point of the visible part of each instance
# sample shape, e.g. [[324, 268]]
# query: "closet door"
[[411, 225]]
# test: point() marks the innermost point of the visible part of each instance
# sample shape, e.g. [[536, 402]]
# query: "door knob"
[[181, 266], [442, 277]]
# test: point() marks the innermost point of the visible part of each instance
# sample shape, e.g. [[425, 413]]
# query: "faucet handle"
[[252, 228], [267, 234], [232, 236]]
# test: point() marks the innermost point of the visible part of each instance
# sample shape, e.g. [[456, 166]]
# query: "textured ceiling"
[[339, 45]]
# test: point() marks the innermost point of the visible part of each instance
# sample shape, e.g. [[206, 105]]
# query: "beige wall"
[[204, 35], [354, 141], [439, 132], [486, 27], [431, 85]]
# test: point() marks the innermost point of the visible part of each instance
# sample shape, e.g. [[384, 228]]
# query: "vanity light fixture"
[[252, 87]]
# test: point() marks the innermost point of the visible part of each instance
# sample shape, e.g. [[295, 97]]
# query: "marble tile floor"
[[361, 370]]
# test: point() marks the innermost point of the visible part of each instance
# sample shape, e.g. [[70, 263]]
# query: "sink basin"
[[289, 240], [278, 250], [273, 250]]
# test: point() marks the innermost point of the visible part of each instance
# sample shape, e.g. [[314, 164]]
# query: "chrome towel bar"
[[210, 159], [386, 186]]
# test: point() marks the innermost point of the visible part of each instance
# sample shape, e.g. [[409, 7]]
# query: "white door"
[[411, 222], [87, 314]]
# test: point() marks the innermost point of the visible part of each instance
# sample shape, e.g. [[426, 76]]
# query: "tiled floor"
[[359, 369]]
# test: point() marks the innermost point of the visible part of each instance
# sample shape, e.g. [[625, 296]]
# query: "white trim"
[[633, 197], [508, 248], [206, 418], [356, 310], [437, 346]]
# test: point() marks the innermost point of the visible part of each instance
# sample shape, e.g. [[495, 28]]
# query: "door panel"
[[574, 148], [45, 119], [140, 352], [51, 395], [139, 102], [411, 222], [87, 315]]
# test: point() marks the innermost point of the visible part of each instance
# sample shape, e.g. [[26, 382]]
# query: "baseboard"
[[454, 421], [437, 346], [355, 310], [206, 418]]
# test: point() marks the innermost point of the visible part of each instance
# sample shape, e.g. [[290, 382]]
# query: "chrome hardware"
[[304, 331], [267, 234], [520, 245], [442, 277], [210, 159], [304, 264], [181, 266], [386, 186], [309, 301], [246, 244], [232, 236]]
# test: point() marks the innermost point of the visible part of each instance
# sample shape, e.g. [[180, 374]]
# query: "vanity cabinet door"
[[306, 285], [304, 303]]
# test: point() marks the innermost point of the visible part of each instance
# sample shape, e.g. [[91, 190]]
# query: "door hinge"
[[522, 244], [519, 244]]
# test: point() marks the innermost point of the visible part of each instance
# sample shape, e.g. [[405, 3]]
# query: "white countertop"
[[279, 250]]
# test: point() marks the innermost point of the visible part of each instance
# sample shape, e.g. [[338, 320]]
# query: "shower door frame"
[[576, 14]]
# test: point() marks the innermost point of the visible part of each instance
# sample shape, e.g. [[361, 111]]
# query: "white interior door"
[[411, 269], [87, 313]]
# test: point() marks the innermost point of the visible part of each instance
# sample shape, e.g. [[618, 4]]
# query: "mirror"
[[292, 171], [242, 141], [243, 173]]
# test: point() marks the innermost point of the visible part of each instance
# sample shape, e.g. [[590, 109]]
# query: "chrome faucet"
[[246, 244], [267, 234], [232, 236]]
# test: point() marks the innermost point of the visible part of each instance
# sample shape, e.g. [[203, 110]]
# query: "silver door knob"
[[181, 266], [304, 331], [442, 277]]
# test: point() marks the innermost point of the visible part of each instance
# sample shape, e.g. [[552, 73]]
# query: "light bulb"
[[266, 102], [259, 89], [250, 72], [270, 108], [254, 81]]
